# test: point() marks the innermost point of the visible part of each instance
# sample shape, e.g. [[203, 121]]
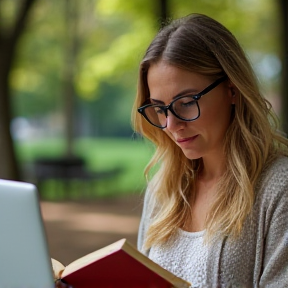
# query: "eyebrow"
[[182, 93]]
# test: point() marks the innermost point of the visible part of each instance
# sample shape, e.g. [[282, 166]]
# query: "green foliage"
[[114, 103], [123, 51], [112, 36], [252, 21], [100, 155], [8, 14], [109, 48]]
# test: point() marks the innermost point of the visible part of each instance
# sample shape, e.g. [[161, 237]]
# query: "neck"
[[213, 168]]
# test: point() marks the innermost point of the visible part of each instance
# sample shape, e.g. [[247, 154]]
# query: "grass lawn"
[[100, 155]]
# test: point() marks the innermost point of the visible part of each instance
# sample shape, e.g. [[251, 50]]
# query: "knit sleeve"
[[275, 262], [143, 227]]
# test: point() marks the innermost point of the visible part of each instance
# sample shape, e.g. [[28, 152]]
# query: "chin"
[[192, 155]]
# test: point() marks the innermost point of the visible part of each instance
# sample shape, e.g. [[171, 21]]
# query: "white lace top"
[[185, 256]]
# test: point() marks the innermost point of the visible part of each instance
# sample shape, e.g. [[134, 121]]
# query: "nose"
[[173, 123]]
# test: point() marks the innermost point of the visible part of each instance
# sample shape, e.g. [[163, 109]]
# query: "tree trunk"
[[8, 42], [71, 47], [8, 166], [284, 85], [164, 12]]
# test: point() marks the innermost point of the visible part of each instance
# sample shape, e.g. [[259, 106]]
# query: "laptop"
[[24, 257]]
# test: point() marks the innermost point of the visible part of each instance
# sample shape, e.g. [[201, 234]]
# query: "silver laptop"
[[24, 257]]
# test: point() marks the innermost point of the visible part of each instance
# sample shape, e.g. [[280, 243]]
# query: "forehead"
[[169, 80]]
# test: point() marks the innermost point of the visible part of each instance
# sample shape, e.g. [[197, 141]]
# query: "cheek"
[[217, 118], [166, 131]]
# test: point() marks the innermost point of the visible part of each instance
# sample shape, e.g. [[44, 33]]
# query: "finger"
[[60, 284]]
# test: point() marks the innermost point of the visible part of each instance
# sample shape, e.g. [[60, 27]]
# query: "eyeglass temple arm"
[[210, 87]]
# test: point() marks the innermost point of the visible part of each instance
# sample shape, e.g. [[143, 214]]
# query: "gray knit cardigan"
[[259, 257]]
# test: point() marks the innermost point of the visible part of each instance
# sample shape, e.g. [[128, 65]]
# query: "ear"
[[233, 92]]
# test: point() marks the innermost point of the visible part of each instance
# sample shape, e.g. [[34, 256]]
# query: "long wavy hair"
[[200, 44]]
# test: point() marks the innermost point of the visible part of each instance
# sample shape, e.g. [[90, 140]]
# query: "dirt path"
[[78, 228]]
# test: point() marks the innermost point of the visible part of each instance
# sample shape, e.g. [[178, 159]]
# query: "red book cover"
[[119, 265]]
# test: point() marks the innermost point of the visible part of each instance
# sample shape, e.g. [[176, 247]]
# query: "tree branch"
[[9, 42]]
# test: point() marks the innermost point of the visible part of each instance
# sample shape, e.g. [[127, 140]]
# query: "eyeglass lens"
[[185, 108]]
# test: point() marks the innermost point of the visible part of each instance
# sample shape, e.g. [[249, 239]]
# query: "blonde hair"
[[200, 44]]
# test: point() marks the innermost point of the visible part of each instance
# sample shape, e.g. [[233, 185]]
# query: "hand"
[[60, 284]]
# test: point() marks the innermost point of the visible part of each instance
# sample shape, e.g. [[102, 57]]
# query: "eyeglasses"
[[184, 107]]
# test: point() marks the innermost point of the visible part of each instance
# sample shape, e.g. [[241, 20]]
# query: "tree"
[[283, 7], [9, 39], [163, 11], [113, 35]]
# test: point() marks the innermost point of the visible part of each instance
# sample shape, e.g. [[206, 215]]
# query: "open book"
[[119, 265]]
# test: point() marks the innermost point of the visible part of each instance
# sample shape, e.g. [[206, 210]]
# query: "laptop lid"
[[24, 257]]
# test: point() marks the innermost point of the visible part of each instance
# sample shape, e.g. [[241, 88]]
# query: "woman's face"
[[204, 136]]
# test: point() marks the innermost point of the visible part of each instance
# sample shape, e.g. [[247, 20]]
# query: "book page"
[[92, 257]]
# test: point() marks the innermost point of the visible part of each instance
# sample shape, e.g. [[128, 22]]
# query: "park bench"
[[67, 170]]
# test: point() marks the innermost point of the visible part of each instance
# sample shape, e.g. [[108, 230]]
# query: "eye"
[[189, 104], [159, 109], [186, 102]]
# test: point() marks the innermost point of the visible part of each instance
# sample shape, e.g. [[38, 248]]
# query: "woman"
[[215, 212]]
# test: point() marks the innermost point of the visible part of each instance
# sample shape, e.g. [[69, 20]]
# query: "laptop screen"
[[24, 257]]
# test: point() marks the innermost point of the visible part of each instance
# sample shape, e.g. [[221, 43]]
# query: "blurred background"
[[68, 72]]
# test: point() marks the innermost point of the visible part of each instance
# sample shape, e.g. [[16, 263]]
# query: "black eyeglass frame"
[[196, 97]]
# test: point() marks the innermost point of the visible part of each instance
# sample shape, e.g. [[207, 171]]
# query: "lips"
[[185, 140]]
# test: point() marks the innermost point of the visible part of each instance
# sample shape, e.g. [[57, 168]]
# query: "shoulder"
[[273, 182], [150, 203], [271, 214], [276, 173], [279, 164], [144, 223]]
